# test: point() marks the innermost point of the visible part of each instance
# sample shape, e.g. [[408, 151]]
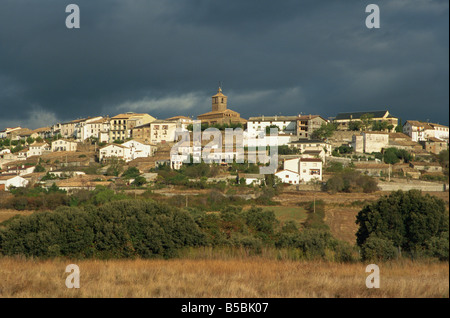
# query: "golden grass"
[[241, 278], [6, 214]]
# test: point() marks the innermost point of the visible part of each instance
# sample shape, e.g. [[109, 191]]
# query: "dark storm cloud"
[[166, 58]]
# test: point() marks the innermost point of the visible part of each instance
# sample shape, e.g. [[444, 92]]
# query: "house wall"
[[375, 142], [288, 177], [310, 171], [358, 143], [292, 164]]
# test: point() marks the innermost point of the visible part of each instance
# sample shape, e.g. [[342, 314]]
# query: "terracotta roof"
[[218, 112], [39, 144], [419, 124], [357, 115], [178, 117], [64, 139], [126, 116], [7, 177], [274, 118], [438, 125], [398, 135], [434, 139], [375, 133], [310, 160], [286, 170], [118, 145], [38, 130]]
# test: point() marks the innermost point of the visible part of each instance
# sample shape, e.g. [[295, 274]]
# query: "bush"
[[408, 220], [351, 181], [119, 229], [378, 249], [131, 173]]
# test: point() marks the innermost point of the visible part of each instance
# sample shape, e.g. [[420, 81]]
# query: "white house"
[[422, 131], [301, 170], [18, 170], [441, 132], [115, 151], [23, 154], [139, 150], [92, 127], [286, 124], [38, 149], [162, 131], [11, 180], [288, 176], [370, 141], [253, 178], [64, 145], [312, 145], [310, 169]]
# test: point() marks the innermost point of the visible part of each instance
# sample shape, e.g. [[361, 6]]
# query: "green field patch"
[[288, 213]]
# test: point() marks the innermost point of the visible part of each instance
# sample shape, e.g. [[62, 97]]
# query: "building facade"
[[220, 114]]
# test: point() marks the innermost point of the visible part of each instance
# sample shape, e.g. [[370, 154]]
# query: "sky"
[[167, 57]]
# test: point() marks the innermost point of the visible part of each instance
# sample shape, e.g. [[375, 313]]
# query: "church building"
[[220, 114]]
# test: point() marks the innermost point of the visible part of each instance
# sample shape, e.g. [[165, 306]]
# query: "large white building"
[[10, 180], [422, 131], [127, 151], [300, 170], [64, 145], [370, 141], [96, 127], [301, 126], [115, 151], [38, 149], [139, 150]]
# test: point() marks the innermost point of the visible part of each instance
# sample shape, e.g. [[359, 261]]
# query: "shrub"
[[119, 229], [378, 249], [131, 173], [408, 220], [351, 181]]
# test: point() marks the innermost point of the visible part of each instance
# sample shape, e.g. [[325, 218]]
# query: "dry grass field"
[[234, 278], [7, 214]]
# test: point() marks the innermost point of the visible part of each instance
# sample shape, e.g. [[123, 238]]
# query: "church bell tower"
[[219, 101]]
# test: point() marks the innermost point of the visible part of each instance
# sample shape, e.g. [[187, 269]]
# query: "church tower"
[[219, 101]]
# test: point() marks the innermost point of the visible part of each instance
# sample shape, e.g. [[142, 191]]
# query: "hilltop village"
[[135, 151]]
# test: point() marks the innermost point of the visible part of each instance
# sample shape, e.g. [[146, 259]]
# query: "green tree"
[[354, 126], [366, 121], [139, 181], [39, 168], [269, 127], [30, 140], [131, 173], [409, 220], [325, 131], [399, 127]]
